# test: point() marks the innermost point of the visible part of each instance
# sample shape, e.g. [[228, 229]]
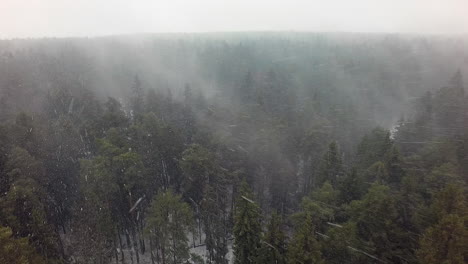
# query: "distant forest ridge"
[[381, 73], [254, 148]]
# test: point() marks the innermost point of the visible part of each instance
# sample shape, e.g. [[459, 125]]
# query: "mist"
[[244, 132]]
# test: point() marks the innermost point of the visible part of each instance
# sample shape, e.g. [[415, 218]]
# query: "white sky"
[[60, 18]]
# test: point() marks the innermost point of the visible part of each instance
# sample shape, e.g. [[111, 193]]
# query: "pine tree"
[[304, 248], [340, 245], [318, 208], [214, 222], [247, 228], [153, 102], [351, 187], [394, 165], [377, 172], [331, 167], [137, 98], [373, 148], [445, 242], [199, 168], [378, 224], [273, 248], [17, 250], [204, 185], [25, 207], [169, 220], [113, 116]]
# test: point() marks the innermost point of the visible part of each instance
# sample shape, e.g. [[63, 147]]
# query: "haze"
[[64, 18]]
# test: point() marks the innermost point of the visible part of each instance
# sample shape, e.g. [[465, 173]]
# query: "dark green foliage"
[[373, 147], [198, 165], [17, 250], [215, 223], [205, 186], [169, 220], [247, 227], [24, 205], [394, 166], [87, 179], [273, 248], [331, 166], [113, 116], [304, 247], [351, 187], [340, 245], [377, 220], [445, 241]]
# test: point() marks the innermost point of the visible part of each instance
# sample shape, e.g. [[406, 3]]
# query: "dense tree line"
[[259, 171]]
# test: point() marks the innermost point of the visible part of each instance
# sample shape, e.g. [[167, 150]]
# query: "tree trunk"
[[121, 248], [173, 248], [163, 255], [135, 246], [151, 250], [140, 235], [116, 253]]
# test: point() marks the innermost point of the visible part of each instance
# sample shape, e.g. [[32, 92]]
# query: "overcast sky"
[[61, 18]]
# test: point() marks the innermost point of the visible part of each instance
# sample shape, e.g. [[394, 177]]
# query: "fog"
[[65, 18], [233, 132]]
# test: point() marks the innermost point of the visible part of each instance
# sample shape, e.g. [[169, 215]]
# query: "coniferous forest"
[[236, 148]]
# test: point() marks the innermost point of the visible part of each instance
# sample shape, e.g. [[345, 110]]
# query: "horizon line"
[[415, 34]]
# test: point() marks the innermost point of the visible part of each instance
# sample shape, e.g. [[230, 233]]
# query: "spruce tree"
[[137, 98], [169, 219], [214, 222], [331, 167], [445, 242], [351, 187], [273, 247], [17, 250], [304, 248], [247, 228]]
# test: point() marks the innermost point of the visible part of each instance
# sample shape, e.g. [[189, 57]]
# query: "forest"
[[286, 148]]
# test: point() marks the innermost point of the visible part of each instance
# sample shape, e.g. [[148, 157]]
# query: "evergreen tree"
[[331, 167], [377, 172], [4, 148], [340, 243], [169, 220], [304, 248], [17, 250], [25, 205], [215, 224], [116, 180], [446, 240], [351, 187], [97, 223], [113, 117], [247, 227], [273, 248], [205, 186], [373, 148], [318, 208], [198, 165], [377, 220], [394, 165], [137, 98], [153, 102]]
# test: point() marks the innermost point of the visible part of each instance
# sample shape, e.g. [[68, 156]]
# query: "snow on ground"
[[199, 250]]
